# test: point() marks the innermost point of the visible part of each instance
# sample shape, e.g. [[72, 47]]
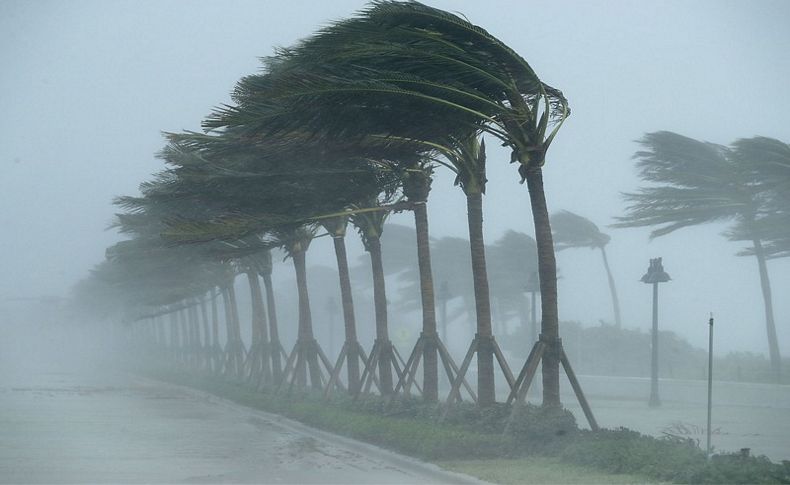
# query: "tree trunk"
[[215, 363], [183, 330], [305, 318], [655, 400], [234, 312], [256, 310], [204, 319], [430, 388], [260, 362], [173, 333], [380, 304], [214, 320], [486, 392], [274, 332], [352, 358], [194, 331], [770, 326], [228, 316], [612, 290], [547, 272]]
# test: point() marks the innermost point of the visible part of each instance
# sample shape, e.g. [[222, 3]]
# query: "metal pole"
[[710, 377], [654, 399]]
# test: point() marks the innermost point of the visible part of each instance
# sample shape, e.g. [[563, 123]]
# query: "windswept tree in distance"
[[769, 160], [696, 183], [574, 231]]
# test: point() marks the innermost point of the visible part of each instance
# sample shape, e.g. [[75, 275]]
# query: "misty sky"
[[87, 87]]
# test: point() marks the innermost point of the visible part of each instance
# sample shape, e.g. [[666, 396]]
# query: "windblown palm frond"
[[769, 162], [702, 182], [697, 183], [574, 231]]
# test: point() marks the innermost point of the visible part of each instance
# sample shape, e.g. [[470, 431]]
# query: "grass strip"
[[543, 445]]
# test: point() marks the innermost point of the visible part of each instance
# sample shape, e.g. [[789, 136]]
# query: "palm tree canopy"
[[574, 231], [403, 70], [696, 183], [769, 160]]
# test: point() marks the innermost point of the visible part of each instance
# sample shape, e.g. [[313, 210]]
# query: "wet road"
[[122, 429], [69, 421]]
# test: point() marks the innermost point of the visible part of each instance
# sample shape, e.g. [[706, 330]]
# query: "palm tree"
[[351, 353], [697, 183], [306, 353], [471, 177], [574, 231], [382, 357], [407, 70], [258, 358]]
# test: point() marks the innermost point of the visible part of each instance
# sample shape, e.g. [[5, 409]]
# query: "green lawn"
[[536, 470]]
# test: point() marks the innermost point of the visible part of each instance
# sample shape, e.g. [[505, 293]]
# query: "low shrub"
[[669, 458], [431, 431]]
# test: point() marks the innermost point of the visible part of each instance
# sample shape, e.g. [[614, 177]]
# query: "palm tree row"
[[350, 123]]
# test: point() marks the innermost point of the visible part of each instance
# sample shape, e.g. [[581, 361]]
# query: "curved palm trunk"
[[305, 321], [216, 347], [547, 271], [430, 362], [274, 333], [259, 358], [194, 332], [770, 326], [612, 290], [234, 310], [173, 347], [485, 352], [183, 332], [206, 349], [255, 311], [380, 303], [234, 349], [228, 326], [352, 345]]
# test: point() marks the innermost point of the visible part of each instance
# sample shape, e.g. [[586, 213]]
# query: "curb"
[[401, 461]]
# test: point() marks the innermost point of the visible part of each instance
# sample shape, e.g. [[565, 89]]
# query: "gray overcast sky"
[[87, 86]]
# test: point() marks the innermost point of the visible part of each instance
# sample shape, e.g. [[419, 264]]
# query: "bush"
[[432, 432], [542, 430], [669, 458]]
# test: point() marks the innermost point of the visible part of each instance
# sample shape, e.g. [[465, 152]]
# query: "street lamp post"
[[655, 275], [710, 380]]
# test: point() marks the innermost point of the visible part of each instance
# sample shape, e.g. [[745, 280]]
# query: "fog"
[[88, 87]]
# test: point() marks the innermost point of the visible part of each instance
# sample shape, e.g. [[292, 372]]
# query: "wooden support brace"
[[449, 364], [577, 389]]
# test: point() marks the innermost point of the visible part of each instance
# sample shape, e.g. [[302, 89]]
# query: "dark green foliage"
[[543, 430], [671, 459]]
